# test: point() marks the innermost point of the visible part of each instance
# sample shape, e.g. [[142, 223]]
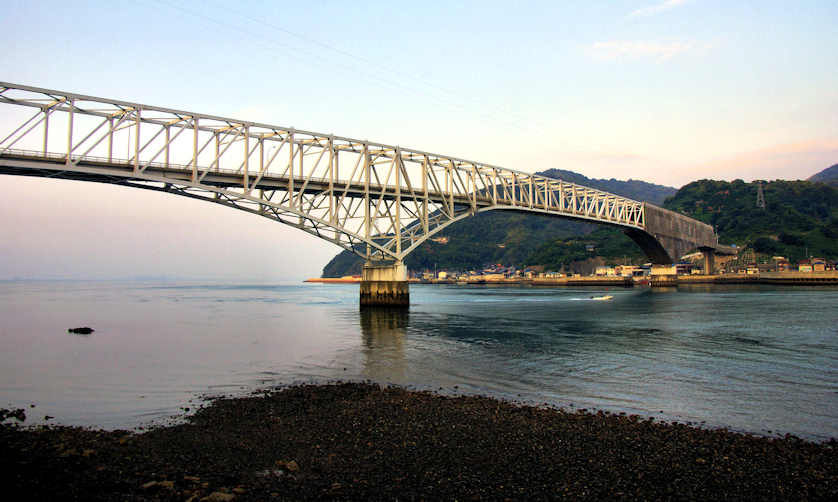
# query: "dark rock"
[[218, 497], [290, 466], [81, 331], [18, 414]]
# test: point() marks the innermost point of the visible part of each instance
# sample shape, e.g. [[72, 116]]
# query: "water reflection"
[[752, 358], [384, 334]]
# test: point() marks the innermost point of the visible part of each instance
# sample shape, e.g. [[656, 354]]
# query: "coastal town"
[[743, 268]]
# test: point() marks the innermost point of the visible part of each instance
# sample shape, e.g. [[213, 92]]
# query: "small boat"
[[602, 298]]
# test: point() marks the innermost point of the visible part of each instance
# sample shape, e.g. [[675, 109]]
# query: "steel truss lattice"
[[378, 201]]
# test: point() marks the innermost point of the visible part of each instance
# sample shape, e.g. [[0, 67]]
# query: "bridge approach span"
[[378, 201]]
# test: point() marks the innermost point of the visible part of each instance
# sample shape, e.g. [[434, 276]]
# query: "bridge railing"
[[388, 197]]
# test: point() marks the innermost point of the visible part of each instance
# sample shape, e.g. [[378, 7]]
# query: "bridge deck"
[[33, 163], [377, 200]]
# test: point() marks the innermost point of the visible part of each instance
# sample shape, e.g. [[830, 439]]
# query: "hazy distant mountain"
[[511, 238], [633, 189], [828, 176]]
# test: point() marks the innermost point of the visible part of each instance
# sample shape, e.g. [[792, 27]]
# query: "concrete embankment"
[[553, 281], [347, 279], [802, 278], [585, 281], [774, 278]]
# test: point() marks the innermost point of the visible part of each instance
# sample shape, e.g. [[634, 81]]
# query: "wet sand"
[[354, 441]]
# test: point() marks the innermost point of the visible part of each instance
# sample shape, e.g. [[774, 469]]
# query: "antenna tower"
[[760, 196]]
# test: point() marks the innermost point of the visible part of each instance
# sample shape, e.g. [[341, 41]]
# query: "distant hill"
[[828, 176], [633, 189], [799, 215], [512, 237]]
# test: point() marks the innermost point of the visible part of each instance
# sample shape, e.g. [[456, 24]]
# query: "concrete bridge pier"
[[385, 284], [709, 260]]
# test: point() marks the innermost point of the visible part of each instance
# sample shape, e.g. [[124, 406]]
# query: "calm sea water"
[[754, 359]]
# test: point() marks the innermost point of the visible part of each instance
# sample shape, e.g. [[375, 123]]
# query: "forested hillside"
[[799, 216]]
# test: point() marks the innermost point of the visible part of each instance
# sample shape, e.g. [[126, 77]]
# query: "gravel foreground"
[[356, 441]]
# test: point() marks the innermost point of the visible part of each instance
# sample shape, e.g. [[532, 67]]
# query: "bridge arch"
[[376, 200]]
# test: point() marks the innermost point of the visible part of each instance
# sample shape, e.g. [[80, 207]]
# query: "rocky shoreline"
[[357, 441]]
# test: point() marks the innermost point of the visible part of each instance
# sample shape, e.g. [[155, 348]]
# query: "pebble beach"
[[361, 441]]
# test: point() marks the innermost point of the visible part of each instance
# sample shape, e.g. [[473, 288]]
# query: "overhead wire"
[[367, 61], [292, 53]]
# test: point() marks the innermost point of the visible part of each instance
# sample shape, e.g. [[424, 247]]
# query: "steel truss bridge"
[[378, 201]]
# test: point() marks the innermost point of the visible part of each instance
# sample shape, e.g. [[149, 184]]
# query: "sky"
[[665, 91]]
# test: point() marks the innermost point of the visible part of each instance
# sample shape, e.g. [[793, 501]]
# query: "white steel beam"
[[391, 201]]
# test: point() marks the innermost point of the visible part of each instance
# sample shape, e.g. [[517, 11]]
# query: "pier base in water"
[[385, 284]]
